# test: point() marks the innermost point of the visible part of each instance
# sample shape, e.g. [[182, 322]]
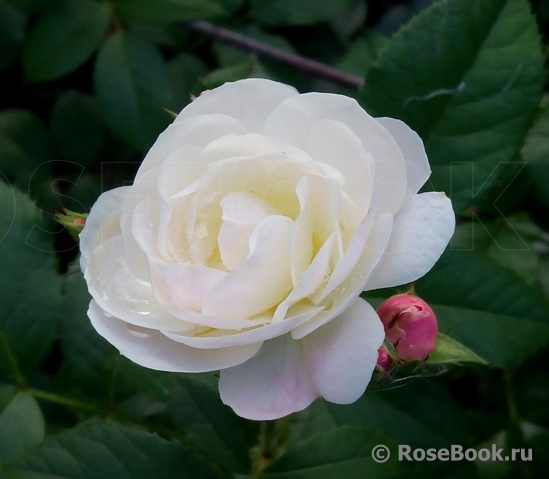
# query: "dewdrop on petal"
[[410, 325]]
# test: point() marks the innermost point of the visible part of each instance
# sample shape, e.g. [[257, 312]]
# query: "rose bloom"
[[254, 223]]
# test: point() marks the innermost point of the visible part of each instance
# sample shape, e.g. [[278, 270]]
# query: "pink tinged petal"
[[263, 280], [341, 355], [422, 230], [411, 145], [198, 130], [121, 294], [293, 121], [297, 314], [102, 223], [242, 212], [342, 297], [271, 385], [183, 285], [249, 101], [335, 144], [153, 350]]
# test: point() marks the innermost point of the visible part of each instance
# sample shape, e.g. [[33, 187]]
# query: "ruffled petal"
[[263, 280], [335, 144], [151, 349], [422, 230], [249, 101], [121, 294], [272, 384], [102, 223], [342, 297], [294, 119], [242, 212], [341, 355], [198, 130], [413, 150]]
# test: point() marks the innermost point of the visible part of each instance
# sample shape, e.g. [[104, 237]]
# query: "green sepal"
[[72, 221], [450, 351]]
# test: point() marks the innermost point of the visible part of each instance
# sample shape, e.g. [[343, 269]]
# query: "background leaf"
[[108, 451], [64, 39], [133, 88], [288, 12], [21, 424], [171, 10], [31, 293], [467, 76], [13, 23], [210, 425]]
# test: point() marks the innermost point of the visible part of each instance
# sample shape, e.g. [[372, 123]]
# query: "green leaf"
[[290, 12], [345, 451], [107, 451], [133, 88], [536, 153], [210, 425], [227, 74], [409, 411], [169, 10], [30, 285], [64, 38], [185, 71], [90, 359], [467, 75], [24, 147], [486, 307], [13, 23], [78, 128], [21, 426], [449, 351]]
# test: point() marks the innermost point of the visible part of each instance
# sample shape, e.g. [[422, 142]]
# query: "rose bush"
[[254, 223]]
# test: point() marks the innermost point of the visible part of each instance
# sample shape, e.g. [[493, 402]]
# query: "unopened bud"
[[410, 325], [383, 358]]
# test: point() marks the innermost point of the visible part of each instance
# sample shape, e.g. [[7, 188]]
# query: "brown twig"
[[296, 61]]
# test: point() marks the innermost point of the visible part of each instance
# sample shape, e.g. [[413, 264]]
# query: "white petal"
[[151, 349], [271, 385], [350, 258], [302, 234], [250, 144], [198, 130], [298, 314], [342, 354], [342, 297], [249, 101], [335, 144], [183, 285], [411, 145], [422, 230], [121, 294], [263, 280], [102, 223], [309, 281], [293, 120], [242, 212]]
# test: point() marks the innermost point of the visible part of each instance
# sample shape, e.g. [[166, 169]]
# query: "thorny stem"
[[267, 448], [296, 61]]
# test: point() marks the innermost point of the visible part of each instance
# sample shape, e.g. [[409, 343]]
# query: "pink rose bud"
[[383, 358], [410, 324]]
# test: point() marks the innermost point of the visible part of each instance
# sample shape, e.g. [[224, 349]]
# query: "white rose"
[[254, 223]]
